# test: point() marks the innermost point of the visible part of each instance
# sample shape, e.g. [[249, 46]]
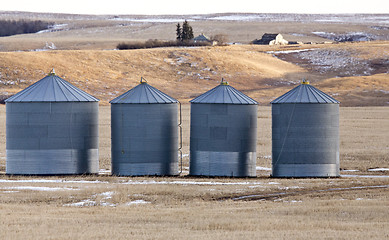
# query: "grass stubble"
[[99, 207]]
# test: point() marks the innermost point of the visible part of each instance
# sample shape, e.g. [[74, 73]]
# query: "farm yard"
[[353, 206], [219, 208]]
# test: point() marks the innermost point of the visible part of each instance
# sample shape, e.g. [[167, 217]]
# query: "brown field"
[[354, 206], [187, 72]]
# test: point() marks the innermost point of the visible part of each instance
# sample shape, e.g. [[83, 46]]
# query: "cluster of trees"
[[184, 38], [13, 27], [185, 32]]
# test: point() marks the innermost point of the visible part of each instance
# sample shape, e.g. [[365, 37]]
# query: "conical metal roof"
[[305, 93], [144, 93], [52, 89], [224, 94]]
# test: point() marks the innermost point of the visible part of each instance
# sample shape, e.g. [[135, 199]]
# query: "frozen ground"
[[263, 17], [354, 36], [334, 62], [110, 193]]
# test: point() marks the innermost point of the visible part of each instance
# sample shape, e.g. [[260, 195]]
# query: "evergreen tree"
[[179, 32], [187, 31], [190, 32]]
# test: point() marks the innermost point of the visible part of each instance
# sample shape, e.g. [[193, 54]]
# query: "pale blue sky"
[[196, 6]]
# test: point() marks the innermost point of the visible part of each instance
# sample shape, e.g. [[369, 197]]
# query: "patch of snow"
[[31, 188], [348, 37], [146, 182], [85, 203], [104, 171], [297, 34], [137, 202], [336, 61], [273, 183], [48, 181], [54, 28], [152, 20], [329, 20], [350, 170], [378, 169], [366, 176], [287, 188], [107, 195], [290, 51], [291, 201], [238, 18], [263, 168], [89, 202], [383, 91], [47, 47], [105, 204]]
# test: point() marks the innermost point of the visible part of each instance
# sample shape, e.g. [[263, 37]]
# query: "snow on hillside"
[[351, 36], [335, 61], [263, 17]]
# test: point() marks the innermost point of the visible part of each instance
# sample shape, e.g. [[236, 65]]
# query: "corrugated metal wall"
[[305, 140], [223, 140], [144, 139], [47, 138]]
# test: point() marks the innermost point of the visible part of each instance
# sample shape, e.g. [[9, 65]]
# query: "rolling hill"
[[81, 48], [187, 72]]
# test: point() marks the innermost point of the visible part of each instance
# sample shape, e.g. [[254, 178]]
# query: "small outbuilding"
[[305, 133], [271, 39], [52, 129], [201, 38], [204, 39]]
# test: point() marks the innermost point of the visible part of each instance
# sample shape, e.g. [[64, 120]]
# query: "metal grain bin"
[[223, 133], [52, 129], [305, 134], [144, 132]]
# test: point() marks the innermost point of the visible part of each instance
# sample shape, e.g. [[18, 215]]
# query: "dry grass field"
[[187, 72], [98, 32], [354, 206]]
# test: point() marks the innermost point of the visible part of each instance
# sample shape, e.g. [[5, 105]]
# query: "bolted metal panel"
[[144, 93], [224, 94], [223, 140], [305, 140], [48, 138], [304, 93], [144, 139], [52, 89]]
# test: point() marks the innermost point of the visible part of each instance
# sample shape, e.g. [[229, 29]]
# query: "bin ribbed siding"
[[144, 131], [52, 138], [52, 129], [223, 140], [223, 133], [144, 139], [305, 134]]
